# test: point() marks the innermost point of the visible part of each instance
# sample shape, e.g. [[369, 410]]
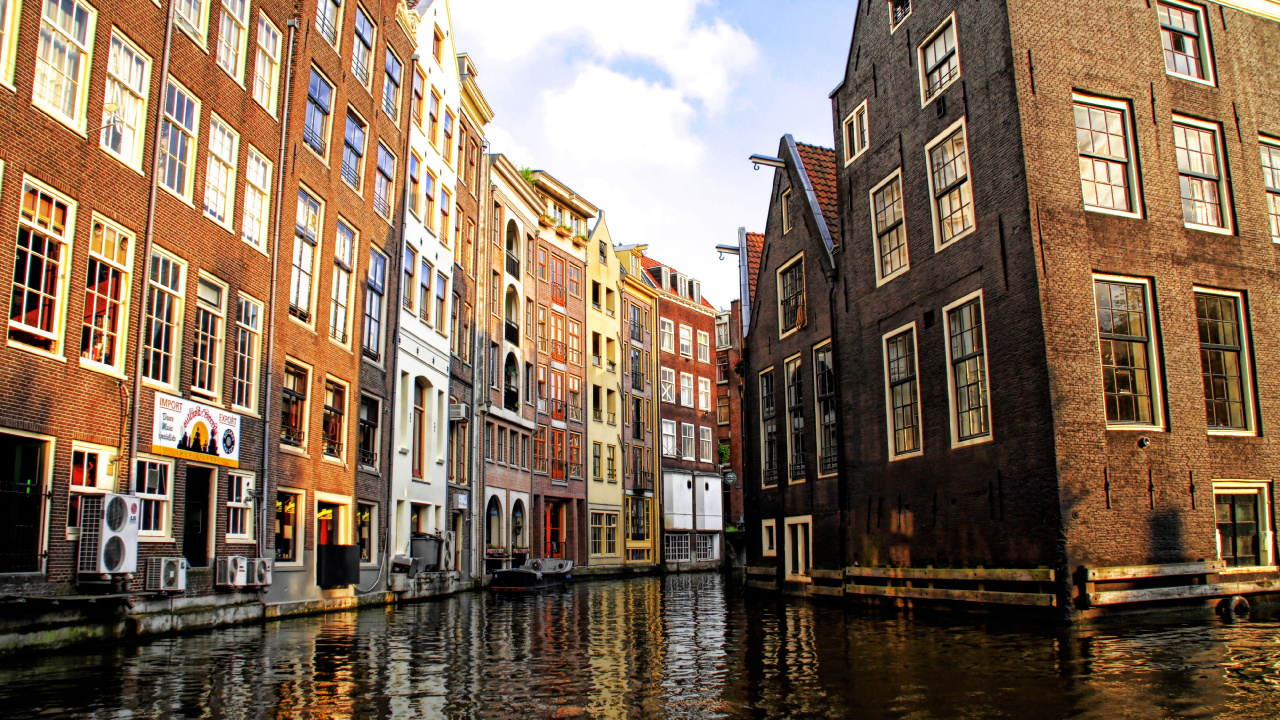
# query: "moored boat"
[[534, 575]]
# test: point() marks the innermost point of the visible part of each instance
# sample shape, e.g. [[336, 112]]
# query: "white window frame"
[[1153, 356], [228, 24], [688, 442], [895, 176], [938, 244], [925, 97], [791, 574], [724, 339], [1246, 365], [804, 293], [246, 485], [166, 499], [368, 61], [76, 121], [686, 341], [888, 390], [706, 449], [704, 393], [125, 268], [266, 64], [686, 389], [336, 41], [1271, 186], [62, 284], [769, 538], [373, 536], [255, 341], [257, 200], [221, 161], [667, 335], [669, 431], [893, 27], [1266, 537], [192, 18], [179, 313], [192, 135], [1224, 187], [1205, 45], [340, 293], [1135, 190], [951, 377], [138, 101], [108, 458], [218, 352], [316, 249], [818, 445], [9, 44], [704, 347], [668, 385], [854, 122]]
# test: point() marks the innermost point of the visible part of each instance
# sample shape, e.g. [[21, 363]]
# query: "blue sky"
[[649, 110]]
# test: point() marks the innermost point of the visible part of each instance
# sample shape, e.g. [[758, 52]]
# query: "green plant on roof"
[[526, 172]]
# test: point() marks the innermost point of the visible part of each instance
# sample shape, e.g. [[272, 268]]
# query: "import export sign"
[[194, 431]]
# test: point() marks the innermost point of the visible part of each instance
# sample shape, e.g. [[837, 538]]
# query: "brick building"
[[638, 298], [1046, 330], [729, 391]]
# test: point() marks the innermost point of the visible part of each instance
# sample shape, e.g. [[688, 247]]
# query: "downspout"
[[141, 344], [264, 479], [485, 198]]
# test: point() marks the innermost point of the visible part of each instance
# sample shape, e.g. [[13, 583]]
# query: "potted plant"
[[546, 220], [564, 231]]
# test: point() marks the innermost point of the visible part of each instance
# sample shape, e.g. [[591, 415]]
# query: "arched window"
[[513, 249], [517, 524], [511, 391], [493, 524]]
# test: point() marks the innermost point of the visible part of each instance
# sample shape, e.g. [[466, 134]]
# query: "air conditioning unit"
[[108, 534], [167, 574], [259, 572], [459, 412], [232, 571]]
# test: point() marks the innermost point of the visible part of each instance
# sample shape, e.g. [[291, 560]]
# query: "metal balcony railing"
[[575, 470], [771, 473], [313, 138], [637, 331], [612, 418], [389, 104], [332, 446], [642, 480], [381, 205], [513, 265], [368, 457], [557, 293], [351, 174], [558, 469], [327, 29], [557, 350], [556, 409], [792, 310], [360, 68], [511, 332], [575, 412], [597, 414], [637, 380], [829, 462], [292, 436], [797, 467], [540, 464]]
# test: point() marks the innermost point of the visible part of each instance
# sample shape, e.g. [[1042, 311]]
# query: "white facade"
[[419, 472]]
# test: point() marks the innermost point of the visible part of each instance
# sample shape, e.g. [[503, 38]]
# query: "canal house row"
[[1003, 345]]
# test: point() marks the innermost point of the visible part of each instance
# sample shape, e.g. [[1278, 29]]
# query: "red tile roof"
[[755, 251], [820, 163], [647, 262]]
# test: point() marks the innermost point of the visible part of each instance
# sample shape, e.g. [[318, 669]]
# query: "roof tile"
[[820, 163]]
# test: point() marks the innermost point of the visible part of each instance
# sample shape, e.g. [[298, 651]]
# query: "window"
[[939, 61], [257, 199], [949, 182], [315, 130], [575, 342], [575, 281], [798, 551], [667, 335], [417, 431], [704, 445], [375, 288], [328, 18], [415, 104], [154, 493], [447, 142], [791, 305], [824, 382], [8, 40], [784, 208], [768, 538], [437, 44], [239, 507], [446, 202], [597, 533], [425, 275], [1186, 46], [1224, 361], [288, 522], [1197, 146], [611, 533], [206, 345], [391, 86], [335, 418], [429, 199], [795, 419], [723, 341], [106, 295], [433, 118], [89, 468], [686, 389], [163, 322], [191, 18], [368, 431], [232, 36], [1124, 338], [306, 235], [704, 347], [406, 284], [1104, 142], [855, 133], [967, 381], [768, 431], [266, 66], [686, 341], [178, 140], [1271, 179], [686, 442], [366, 537], [890, 228], [415, 184], [293, 406], [128, 80], [675, 546], [340, 290], [220, 172], [353, 152], [722, 410], [668, 385], [362, 47], [442, 292], [596, 454], [244, 391], [1243, 513], [384, 185], [669, 438], [62, 62], [722, 369], [704, 393], [902, 396]]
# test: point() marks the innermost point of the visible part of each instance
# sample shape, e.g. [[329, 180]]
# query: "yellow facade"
[[605, 420], [637, 323]]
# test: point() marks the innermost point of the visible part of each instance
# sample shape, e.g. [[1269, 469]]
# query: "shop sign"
[[194, 431]]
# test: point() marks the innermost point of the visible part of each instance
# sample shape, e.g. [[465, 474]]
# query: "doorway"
[[196, 524], [555, 529], [327, 524], [21, 503]]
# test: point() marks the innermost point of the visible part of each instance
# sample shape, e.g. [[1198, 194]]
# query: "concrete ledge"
[[277, 611], [608, 570]]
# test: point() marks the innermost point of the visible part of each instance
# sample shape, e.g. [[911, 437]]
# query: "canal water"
[[683, 646]]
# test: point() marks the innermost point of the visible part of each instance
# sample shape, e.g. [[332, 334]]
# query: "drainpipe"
[[140, 345], [484, 197], [263, 480]]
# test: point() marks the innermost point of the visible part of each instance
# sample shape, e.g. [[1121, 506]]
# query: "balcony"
[[557, 293], [637, 380], [381, 205], [368, 457], [511, 398], [313, 138], [360, 68], [829, 462], [575, 470], [557, 350], [327, 29], [511, 332], [597, 414], [575, 412], [637, 331], [513, 266]]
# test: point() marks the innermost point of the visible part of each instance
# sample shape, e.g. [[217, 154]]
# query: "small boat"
[[534, 575]]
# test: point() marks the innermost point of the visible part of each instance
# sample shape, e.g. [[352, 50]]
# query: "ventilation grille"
[[90, 532]]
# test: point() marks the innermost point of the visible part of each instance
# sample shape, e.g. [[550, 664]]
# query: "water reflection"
[[686, 646]]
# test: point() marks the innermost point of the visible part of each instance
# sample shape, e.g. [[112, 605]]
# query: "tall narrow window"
[[239, 506], [306, 237], [1271, 179], [231, 37], [384, 187], [704, 347], [669, 438], [687, 448], [62, 61], [368, 431], [898, 11], [315, 129], [220, 172], [1105, 146], [433, 118], [353, 152], [191, 16], [257, 199], [442, 292], [288, 505], [1186, 49], [328, 16], [266, 64], [704, 393], [335, 414], [784, 208], [795, 420], [949, 180], [666, 335], [163, 322], [178, 140], [668, 385], [415, 106], [8, 39], [406, 283], [106, 288], [686, 389], [824, 380], [705, 451], [375, 288], [768, 431], [415, 184], [966, 350], [343, 252], [1124, 338], [1223, 361], [447, 149], [248, 341], [424, 292], [855, 133], [1199, 154], [904, 404], [206, 345], [890, 228], [391, 86], [417, 430], [153, 492], [791, 305], [939, 60], [128, 75], [293, 405], [362, 47]]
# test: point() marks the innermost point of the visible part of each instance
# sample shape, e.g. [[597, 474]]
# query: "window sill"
[[119, 158], [1246, 437], [36, 351], [1209, 228], [939, 245], [245, 412], [331, 460], [102, 369], [1111, 211], [310, 328], [799, 579], [1191, 79], [158, 387], [957, 443], [927, 101], [180, 198], [291, 450], [880, 282], [61, 119], [241, 541], [290, 566], [1136, 428], [906, 456]]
